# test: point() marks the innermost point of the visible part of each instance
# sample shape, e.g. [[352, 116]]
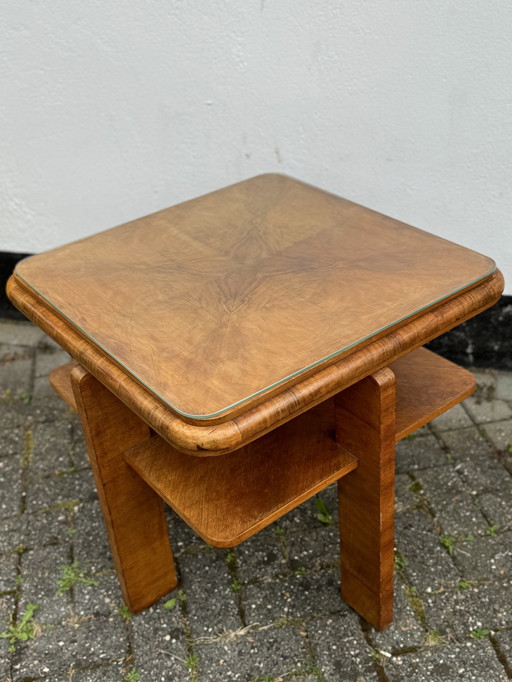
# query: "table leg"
[[133, 512], [365, 426]]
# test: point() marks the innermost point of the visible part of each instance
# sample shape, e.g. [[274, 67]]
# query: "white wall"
[[112, 110]]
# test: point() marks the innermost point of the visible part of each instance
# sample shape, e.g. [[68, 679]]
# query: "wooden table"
[[236, 354]]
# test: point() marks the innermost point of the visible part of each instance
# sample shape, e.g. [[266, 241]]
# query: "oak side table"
[[236, 354]]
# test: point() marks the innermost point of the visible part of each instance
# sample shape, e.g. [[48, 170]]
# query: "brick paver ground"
[[269, 609]]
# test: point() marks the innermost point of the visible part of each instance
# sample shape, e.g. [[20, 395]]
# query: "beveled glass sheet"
[[220, 300]]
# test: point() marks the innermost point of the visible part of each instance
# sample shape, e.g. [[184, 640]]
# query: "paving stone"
[[454, 418], [10, 534], [6, 613], [405, 498], [91, 547], [254, 655], [103, 599], [458, 612], [163, 660], [12, 443], [504, 385], [428, 566], [414, 454], [47, 361], [10, 487], [448, 497], [41, 568], [181, 535], [504, 641], [211, 601], [261, 556], [19, 333], [340, 649], [476, 462], [114, 672], [483, 411], [304, 516], [51, 445], [58, 649], [50, 491], [500, 434], [15, 370], [318, 548], [297, 597], [497, 509], [49, 527], [405, 631], [485, 384], [8, 572], [486, 557], [468, 661]]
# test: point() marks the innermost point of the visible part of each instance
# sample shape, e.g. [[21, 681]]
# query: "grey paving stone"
[[49, 491], [47, 528], [19, 333], [103, 599], [297, 597], [48, 360], [58, 649], [10, 487], [486, 557], [458, 612], [406, 630], [318, 548], [504, 385], [500, 433], [256, 654], [6, 613], [8, 572], [15, 370], [261, 556], [483, 411], [51, 446], [468, 661], [414, 454], [40, 571], [453, 505], [159, 644], [428, 566], [181, 535], [15, 413], [504, 642], [454, 418], [485, 383], [497, 509], [113, 672], [10, 534], [476, 461], [211, 602], [304, 516], [405, 498], [91, 547], [340, 649], [12, 443]]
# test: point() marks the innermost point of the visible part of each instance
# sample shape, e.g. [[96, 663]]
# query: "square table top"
[[222, 301]]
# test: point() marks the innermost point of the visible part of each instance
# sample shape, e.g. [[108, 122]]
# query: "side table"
[[238, 353]]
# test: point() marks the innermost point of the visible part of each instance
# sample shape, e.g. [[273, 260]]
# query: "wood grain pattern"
[[133, 513], [365, 427], [60, 381], [253, 288], [227, 499], [225, 437], [426, 386]]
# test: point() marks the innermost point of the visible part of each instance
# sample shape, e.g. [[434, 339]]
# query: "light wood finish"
[[227, 499], [221, 302], [365, 426], [426, 386], [233, 434], [60, 381], [133, 513]]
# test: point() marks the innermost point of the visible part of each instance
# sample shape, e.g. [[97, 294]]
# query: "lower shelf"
[[229, 498]]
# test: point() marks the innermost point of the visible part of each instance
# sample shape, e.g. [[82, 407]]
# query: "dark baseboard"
[[484, 341]]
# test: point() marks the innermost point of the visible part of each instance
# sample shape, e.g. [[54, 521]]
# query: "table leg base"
[[133, 512]]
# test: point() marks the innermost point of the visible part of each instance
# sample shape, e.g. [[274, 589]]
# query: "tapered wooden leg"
[[133, 512], [365, 426]]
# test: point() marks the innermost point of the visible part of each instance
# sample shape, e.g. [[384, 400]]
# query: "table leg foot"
[[133, 512], [365, 426]]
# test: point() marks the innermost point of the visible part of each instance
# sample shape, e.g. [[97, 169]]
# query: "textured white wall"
[[112, 110]]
